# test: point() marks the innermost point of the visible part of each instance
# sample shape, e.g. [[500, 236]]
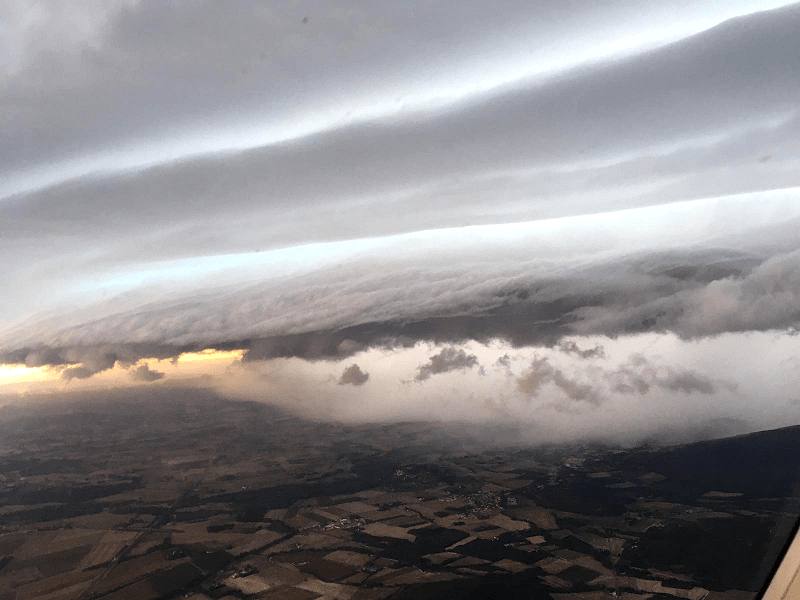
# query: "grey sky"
[[142, 75], [187, 175]]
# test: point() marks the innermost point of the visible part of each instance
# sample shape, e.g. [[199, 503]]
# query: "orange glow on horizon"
[[21, 374], [17, 374], [211, 354]]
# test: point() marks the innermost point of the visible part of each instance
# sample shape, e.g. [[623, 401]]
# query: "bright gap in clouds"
[[188, 365]]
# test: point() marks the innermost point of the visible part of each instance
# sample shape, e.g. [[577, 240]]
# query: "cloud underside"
[[316, 318]]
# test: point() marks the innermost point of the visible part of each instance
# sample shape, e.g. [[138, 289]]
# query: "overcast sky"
[[323, 182]]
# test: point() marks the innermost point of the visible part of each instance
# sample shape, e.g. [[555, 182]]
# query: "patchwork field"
[[210, 499]]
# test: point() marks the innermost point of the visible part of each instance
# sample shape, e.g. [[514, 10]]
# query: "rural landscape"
[[364, 300], [188, 496]]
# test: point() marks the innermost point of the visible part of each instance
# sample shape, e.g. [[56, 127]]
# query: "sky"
[[584, 217]]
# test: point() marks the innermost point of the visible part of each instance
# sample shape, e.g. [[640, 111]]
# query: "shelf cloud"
[[338, 182], [333, 315]]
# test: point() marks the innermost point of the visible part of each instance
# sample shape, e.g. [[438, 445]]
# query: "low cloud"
[[449, 359], [504, 363], [91, 361], [541, 372], [145, 373], [78, 372], [353, 375], [570, 347], [639, 376]]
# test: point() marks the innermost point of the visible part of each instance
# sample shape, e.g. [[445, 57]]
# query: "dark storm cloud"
[[449, 359], [687, 382], [353, 375], [145, 373], [80, 372], [315, 345]]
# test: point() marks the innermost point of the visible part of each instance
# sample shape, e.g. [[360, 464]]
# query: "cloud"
[[570, 347], [91, 361], [687, 382], [504, 361], [766, 297], [652, 128], [78, 373], [144, 373], [332, 315], [172, 244], [192, 190], [444, 50], [639, 375], [449, 359], [541, 372], [353, 375]]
